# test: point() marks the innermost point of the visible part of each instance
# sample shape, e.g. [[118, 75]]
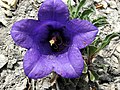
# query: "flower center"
[[52, 41], [56, 42]]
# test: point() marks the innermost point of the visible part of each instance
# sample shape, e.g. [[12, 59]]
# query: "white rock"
[[118, 48], [105, 5], [72, 2], [32, 13], [115, 63], [39, 1], [112, 4], [109, 10], [23, 86], [97, 0], [112, 87], [114, 59], [46, 83], [118, 86], [3, 60], [65, 1]]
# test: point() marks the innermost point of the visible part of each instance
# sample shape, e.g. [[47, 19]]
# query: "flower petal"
[[54, 10], [83, 31], [69, 64], [36, 65], [22, 31]]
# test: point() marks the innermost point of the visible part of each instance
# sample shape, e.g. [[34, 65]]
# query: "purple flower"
[[53, 41]]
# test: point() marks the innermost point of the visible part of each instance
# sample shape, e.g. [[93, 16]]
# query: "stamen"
[[52, 41]]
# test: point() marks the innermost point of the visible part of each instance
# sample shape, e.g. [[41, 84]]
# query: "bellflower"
[[53, 42]]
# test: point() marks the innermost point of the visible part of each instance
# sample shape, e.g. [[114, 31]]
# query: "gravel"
[[106, 63]]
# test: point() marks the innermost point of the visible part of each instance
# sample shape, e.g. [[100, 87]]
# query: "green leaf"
[[107, 40], [97, 41], [85, 68], [80, 4], [86, 14], [71, 9], [69, 5], [95, 75], [92, 77], [92, 50], [100, 21]]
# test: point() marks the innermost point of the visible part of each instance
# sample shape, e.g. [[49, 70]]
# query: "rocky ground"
[[106, 63]]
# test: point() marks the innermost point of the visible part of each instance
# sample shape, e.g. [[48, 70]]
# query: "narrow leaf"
[[80, 4], [92, 78], [85, 68], [92, 50], [107, 40], [86, 14], [97, 41], [100, 21], [95, 75]]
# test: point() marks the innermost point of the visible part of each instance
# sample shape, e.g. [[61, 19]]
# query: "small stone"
[[112, 4], [10, 65], [105, 78], [118, 86], [32, 13], [39, 1], [117, 79], [114, 59], [3, 60], [8, 13], [118, 48], [105, 5], [23, 86], [112, 87], [100, 71], [115, 62], [72, 2], [46, 83], [3, 73], [97, 1]]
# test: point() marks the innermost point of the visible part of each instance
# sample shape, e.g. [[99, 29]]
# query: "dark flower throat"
[[56, 41]]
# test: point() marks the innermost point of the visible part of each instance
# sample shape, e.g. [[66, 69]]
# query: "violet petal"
[[83, 32], [53, 10], [36, 65], [22, 31], [69, 64]]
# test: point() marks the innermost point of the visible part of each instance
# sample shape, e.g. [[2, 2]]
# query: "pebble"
[[118, 86], [3, 60], [112, 4], [23, 86], [3, 73], [97, 1], [100, 71], [105, 5], [3, 18], [114, 63], [32, 13], [114, 59], [105, 78], [72, 2], [46, 83], [39, 1], [112, 87], [118, 48]]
